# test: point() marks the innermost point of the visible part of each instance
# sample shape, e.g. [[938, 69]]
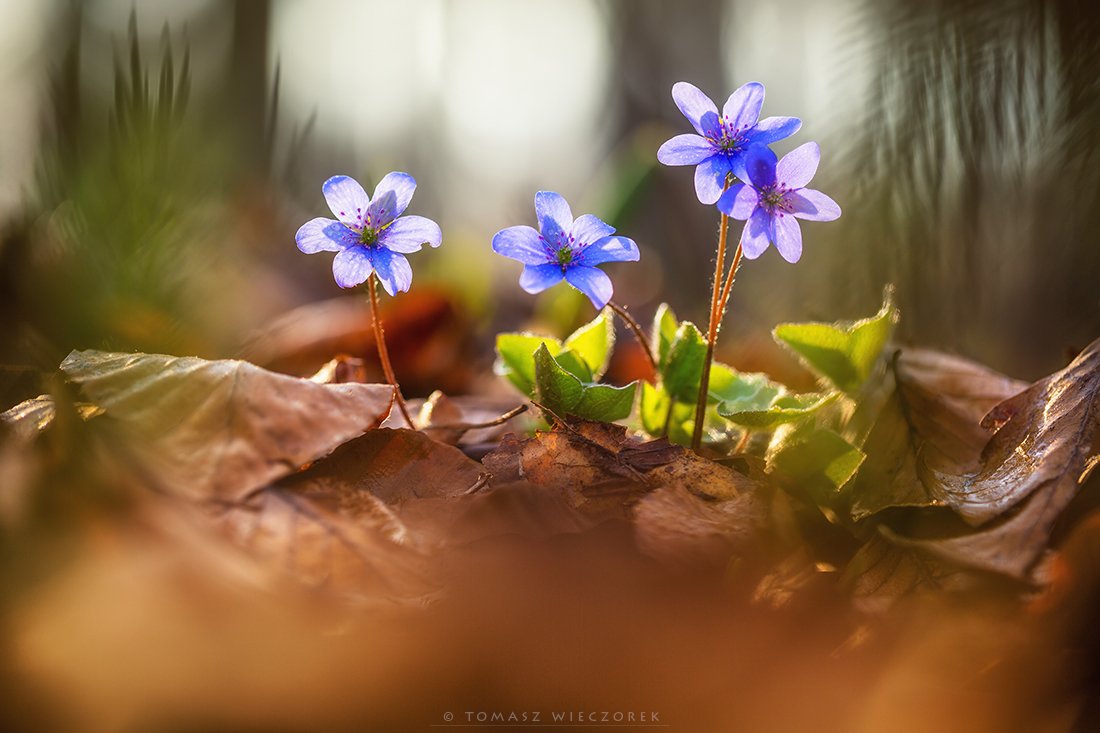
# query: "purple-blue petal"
[[536, 278], [324, 235], [393, 270], [771, 129], [589, 228], [685, 149], [555, 217], [409, 233], [711, 124], [352, 266], [592, 282], [788, 237], [693, 104], [380, 212], [797, 168], [758, 233], [739, 202], [347, 200], [760, 165], [522, 243], [710, 178], [813, 205], [391, 197], [608, 249], [737, 166], [742, 109]]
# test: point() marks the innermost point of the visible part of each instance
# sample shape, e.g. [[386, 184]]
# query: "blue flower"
[[369, 236], [775, 198], [722, 142], [565, 249]]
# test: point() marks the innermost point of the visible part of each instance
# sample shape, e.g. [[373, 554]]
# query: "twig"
[[474, 426], [482, 480]]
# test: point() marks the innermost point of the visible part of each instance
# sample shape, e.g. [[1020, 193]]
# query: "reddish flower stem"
[[383, 352], [712, 330], [725, 297]]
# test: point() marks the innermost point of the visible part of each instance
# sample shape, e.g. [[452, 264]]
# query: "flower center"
[[368, 236], [731, 139], [774, 199], [562, 250]]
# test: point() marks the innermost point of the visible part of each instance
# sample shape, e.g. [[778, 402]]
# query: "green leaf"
[[845, 352], [743, 390], [817, 463], [654, 408], [664, 332], [572, 363], [606, 402], [555, 387], [593, 343], [784, 408], [685, 363], [516, 358], [682, 424]]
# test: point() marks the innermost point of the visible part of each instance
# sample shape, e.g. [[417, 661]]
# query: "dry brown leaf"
[[348, 542], [676, 526], [881, 574], [222, 429], [1044, 449], [518, 510], [393, 465], [604, 470], [30, 417], [340, 370], [929, 430]]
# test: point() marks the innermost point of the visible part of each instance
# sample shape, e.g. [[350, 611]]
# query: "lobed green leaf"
[[684, 369], [816, 462], [606, 402], [555, 387], [845, 353], [593, 343], [664, 333], [783, 409], [516, 362]]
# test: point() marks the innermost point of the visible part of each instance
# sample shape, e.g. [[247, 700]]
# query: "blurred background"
[[156, 159]]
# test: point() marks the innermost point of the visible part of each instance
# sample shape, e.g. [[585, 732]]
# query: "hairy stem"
[[712, 333], [728, 285], [638, 332], [383, 352]]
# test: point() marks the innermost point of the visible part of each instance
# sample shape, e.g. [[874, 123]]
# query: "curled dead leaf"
[[1045, 447], [392, 465], [928, 431], [222, 429]]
